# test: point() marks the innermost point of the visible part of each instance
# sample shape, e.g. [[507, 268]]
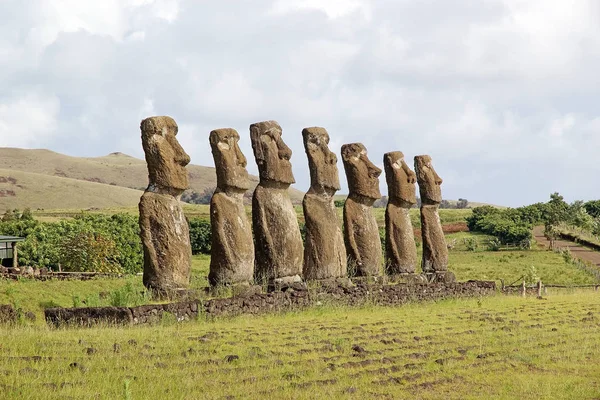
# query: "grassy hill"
[[20, 189], [69, 178]]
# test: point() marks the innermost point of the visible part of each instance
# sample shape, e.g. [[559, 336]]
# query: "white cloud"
[[332, 8], [502, 93], [29, 120]]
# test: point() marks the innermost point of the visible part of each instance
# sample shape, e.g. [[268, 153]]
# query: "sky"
[[503, 94]]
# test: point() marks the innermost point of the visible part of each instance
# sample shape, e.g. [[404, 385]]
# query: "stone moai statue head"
[[271, 153], [429, 181], [322, 162], [229, 160], [362, 174], [165, 157], [400, 179]]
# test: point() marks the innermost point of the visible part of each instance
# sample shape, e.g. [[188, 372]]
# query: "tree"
[[593, 208], [462, 203]]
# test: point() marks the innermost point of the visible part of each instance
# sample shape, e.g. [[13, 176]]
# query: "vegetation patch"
[[493, 347]]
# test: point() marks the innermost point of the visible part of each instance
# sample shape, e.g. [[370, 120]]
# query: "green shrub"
[[113, 241], [200, 235], [471, 244]]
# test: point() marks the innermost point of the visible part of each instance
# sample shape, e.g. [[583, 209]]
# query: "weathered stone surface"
[[232, 251], [361, 234], [148, 314], [357, 295], [400, 247], [164, 229], [324, 251], [88, 316], [259, 303], [435, 250], [278, 243]]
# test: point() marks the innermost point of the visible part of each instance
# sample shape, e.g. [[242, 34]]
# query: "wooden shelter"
[[8, 250]]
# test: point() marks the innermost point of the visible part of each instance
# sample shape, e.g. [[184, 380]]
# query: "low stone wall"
[[260, 303], [385, 295], [7, 314], [43, 274], [147, 314]]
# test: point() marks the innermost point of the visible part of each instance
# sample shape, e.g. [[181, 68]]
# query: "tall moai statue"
[[361, 233], [324, 251], [435, 250], [279, 249], [232, 250], [400, 247], [164, 229]]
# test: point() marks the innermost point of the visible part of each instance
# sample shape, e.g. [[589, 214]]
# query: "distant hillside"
[[472, 204], [20, 189], [109, 173]]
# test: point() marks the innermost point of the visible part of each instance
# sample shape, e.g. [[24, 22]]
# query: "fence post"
[[524, 290], [539, 288]]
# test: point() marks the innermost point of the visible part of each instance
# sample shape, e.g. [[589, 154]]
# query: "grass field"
[[498, 347], [480, 264], [501, 347]]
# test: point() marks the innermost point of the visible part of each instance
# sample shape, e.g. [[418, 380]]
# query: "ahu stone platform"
[[262, 303]]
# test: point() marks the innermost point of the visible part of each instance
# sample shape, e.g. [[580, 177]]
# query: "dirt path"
[[577, 250]]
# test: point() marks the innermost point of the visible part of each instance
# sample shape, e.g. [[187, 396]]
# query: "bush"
[[89, 242], [88, 251], [471, 244], [508, 226], [200, 235]]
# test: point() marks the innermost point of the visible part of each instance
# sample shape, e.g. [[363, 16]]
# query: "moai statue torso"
[[279, 249], [232, 250], [435, 251], [361, 233], [400, 248], [324, 251], [164, 229]]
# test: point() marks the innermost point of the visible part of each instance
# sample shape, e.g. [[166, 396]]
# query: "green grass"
[[498, 347], [481, 264], [510, 265], [35, 296], [494, 347]]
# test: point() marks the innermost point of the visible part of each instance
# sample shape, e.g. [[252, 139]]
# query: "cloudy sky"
[[503, 94]]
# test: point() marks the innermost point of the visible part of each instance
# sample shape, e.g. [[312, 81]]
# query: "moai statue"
[[361, 233], [435, 251], [324, 251], [232, 250], [400, 247], [164, 229], [279, 249]]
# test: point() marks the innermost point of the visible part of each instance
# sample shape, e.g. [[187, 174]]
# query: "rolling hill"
[[46, 179]]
